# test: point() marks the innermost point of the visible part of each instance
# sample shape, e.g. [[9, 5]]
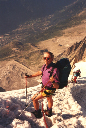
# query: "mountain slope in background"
[[12, 76]]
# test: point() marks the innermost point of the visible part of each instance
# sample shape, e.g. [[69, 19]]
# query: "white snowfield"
[[69, 106]]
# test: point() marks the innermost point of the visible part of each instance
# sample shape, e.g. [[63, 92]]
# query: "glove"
[[26, 76]]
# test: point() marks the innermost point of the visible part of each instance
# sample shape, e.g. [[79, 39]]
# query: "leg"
[[50, 101], [35, 100], [48, 112]]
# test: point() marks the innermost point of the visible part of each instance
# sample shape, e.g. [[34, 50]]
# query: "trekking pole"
[[28, 104], [26, 92], [26, 88]]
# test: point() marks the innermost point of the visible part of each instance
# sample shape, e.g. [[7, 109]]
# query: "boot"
[[37, 113], [48, 112]]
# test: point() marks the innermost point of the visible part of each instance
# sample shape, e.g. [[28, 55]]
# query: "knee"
[[34, 100], [50, 99]]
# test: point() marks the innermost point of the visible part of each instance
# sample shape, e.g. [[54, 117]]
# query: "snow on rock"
[[69, 108], [20, 124]]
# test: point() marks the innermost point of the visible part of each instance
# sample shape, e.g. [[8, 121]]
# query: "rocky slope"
[[12, 76], [77, 50]]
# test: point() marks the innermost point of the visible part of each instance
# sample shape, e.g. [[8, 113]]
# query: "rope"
[[44, 116], [42, 107]]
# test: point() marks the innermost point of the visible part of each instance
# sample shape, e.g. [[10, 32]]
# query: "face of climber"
[[47, 58]]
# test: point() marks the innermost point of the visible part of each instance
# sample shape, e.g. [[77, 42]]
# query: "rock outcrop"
[[76, 51]]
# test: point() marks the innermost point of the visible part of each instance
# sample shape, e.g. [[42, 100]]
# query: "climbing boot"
[[37, 113], [48, 112]]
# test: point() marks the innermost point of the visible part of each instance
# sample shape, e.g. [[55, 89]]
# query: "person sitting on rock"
[[78, 73]]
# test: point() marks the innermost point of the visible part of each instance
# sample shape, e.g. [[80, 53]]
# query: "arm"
[[55, 85], [35, 74]]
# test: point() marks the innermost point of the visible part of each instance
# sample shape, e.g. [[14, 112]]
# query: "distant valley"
[[16, 12]]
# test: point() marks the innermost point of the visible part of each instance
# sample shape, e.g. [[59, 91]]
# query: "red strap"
[[44, 116]]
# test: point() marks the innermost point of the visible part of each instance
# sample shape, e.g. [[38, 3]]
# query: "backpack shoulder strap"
[[43, 69], [51, 72]]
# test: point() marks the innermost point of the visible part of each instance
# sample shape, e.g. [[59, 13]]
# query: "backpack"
[[64, 70]]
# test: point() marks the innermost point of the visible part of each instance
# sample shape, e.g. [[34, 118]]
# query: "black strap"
[[49, 93], [43, 70], [48, 88], [51, 72]]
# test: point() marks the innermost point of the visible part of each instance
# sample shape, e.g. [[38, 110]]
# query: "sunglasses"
[[46, 58]]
